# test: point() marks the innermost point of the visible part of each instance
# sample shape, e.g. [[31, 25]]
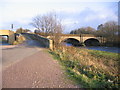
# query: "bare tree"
[[46, 23], [21, 30], [110, 31], [50, 25], [109, 28]]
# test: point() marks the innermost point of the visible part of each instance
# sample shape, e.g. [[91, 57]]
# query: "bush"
[[19, 40], [15, 43]]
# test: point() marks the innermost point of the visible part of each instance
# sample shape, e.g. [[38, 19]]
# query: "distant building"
[[36, 31]]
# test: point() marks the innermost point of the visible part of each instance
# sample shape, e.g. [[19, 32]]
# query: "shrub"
[[19, 40], [15, 43]]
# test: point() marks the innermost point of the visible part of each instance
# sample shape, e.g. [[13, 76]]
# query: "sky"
[[73, 13]]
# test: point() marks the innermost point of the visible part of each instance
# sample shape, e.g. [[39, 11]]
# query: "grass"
[[89, 68], [104, 54]]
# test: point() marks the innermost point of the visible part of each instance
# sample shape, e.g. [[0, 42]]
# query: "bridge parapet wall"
[[81, 38], [44, 41]]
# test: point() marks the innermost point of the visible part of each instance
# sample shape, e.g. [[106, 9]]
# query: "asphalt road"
[[29, 66], [13, 55]]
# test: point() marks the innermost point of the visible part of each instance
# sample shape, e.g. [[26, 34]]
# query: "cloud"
[[92, 15], [89, 16], [74, 13], [58, 1]]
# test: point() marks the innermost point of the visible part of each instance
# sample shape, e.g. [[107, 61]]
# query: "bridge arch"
[[73, 41], [83, 38], [4, 38], [10, 34], [92, 42]]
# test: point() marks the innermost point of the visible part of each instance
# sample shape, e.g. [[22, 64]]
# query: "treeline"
[[83, 30], [21, 30], [110, 30]]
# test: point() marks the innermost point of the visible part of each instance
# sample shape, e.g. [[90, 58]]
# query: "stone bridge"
[[81, 38], [10, 35], [75, 39]]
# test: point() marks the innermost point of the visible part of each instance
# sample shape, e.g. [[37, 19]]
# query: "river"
[[101, 48]]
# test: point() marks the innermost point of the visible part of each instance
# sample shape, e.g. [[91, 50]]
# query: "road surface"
[[29, 66]]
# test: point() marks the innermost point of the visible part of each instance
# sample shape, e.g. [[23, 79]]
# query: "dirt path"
[[36, 71]]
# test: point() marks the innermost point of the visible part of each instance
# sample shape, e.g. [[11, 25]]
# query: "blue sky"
[[73, 13]]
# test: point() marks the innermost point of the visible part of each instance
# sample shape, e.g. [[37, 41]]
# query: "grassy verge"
[[89, 68]]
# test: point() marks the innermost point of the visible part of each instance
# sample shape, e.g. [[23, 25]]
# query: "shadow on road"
[[31, 42]]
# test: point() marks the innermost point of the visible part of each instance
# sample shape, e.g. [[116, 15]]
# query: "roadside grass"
[[87, 69]]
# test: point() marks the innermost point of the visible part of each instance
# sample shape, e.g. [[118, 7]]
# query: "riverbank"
[[89, 68]]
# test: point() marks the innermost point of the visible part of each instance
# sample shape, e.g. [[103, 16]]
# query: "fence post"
[[51, 44]]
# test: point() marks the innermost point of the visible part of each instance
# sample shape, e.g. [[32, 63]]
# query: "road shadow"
[[31, 44]]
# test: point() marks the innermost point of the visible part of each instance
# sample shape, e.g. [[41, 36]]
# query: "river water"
[[108, 49], [101, 48]]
